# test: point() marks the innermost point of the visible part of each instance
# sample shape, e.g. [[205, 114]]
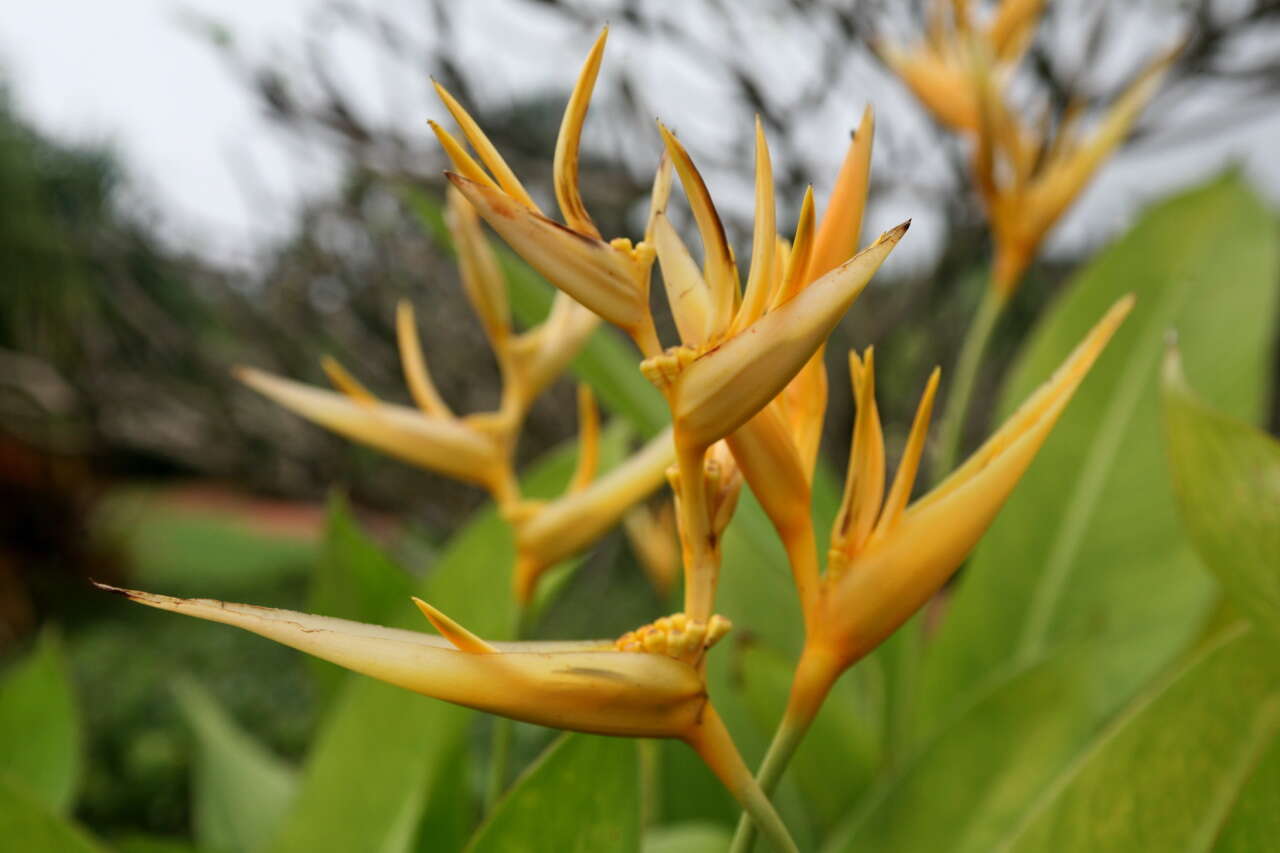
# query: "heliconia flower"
[[1028, 181], [474, 448], [887, 558], [610, 278], [741, 348], [648, 683], [939, 70]]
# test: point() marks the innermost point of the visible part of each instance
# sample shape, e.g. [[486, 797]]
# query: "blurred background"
[[185, 187]]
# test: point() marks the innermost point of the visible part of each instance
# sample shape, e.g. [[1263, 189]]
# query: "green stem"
[[649, 752], [815, 674], [711, 740], [951, 429], [785, 741]]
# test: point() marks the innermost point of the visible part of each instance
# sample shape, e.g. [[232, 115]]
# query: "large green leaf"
[[582, 794], [966, 788], [1227, 478], [608, 363], [381, 750], [28, 824], [240, 791], [353, 579], [1192, 762], [1090, 546], [40, 725]]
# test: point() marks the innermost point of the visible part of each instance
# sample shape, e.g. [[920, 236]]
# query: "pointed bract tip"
[[462, 639], [114, 590]]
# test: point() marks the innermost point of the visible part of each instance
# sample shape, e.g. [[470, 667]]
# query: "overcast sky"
[[127, 72]]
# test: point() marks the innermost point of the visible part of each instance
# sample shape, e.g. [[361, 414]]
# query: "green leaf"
[[40, 725], [240, 791], [1254, 821], [28, 824], [608, 363], [1090, 545], [381, 751], [200, 551], [1185, 765], [353, 579], [690, 837], [450, 812], [1227, 478], [582, 794], [965, 789]]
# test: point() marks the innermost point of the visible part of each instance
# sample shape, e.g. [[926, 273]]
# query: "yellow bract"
[[609, 278], [939, 70], [1026, 177], [887, 561]]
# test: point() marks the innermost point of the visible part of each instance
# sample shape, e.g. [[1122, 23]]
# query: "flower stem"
[[649, 753], [712, 741], [951, 429], [815, 674]]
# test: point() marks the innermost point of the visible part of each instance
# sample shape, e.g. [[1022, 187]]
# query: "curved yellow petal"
[[612, 282], [1066, 177], [414, 363], [439, 444], [721, 273], [588, 440], [797, 274], [720, 390], [346, 383], [565, 169], [837, 237], [488, 153], [687, 292], [463, 163], [586, 687], [905, 478], [459, 637], [559, 340], [482, 278], [763, 240], [1012, 26], [565, 526]]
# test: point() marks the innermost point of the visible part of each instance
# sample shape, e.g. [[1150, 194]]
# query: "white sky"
[[128, 73]]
